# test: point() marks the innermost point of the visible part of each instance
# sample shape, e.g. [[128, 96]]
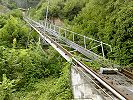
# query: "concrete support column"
[[82, 89]]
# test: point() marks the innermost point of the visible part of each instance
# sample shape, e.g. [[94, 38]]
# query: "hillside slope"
[[110, 21], [27, 72]]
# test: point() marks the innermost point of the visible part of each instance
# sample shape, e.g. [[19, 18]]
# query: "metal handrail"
[[49, 26], [55, 27]]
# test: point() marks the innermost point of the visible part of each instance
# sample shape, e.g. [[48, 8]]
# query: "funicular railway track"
[[127, 73], [70, 58]]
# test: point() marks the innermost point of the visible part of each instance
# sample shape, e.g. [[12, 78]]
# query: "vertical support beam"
[[73, 37], [102, 49], [46, 16], [29, 11], [85, 42]]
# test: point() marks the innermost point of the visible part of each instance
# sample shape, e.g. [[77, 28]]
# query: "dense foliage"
[[108, 20], [14, 4], [9, 3], [64, 9], [25, 69]]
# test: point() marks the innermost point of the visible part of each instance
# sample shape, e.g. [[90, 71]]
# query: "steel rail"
[[127, 73], [69, 57], [105, 84]]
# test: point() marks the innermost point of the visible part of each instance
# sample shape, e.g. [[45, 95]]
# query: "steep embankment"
[[110, 22]]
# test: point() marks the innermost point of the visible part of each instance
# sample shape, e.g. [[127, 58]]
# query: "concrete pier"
[[82, 89]]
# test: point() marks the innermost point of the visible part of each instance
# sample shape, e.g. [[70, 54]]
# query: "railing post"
[[102, 49], [73, 37], [85, 42]]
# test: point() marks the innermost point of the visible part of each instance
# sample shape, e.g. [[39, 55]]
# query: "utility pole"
[[46, 18]]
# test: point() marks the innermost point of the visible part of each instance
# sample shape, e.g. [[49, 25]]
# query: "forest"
[[30, 71]]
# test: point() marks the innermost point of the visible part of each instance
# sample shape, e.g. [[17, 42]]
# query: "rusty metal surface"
[[127, 73], [122, 84]]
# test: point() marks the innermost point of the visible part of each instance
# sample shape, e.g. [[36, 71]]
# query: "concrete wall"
[[82, 89]]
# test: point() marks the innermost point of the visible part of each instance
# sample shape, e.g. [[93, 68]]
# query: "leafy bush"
[[13, 28], [6, 88], [22, 58]]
